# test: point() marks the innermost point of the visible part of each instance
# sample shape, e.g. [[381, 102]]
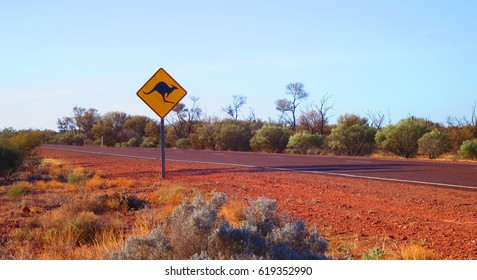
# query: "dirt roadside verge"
[[355, 215]]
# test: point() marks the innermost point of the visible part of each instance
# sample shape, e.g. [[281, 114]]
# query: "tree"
[[462, 129], [353, 136], [233, 110], [109, 127], [315, 117], [402, 139], [137, 124], [297, 93], [152, 129], [434, 143], [376, 118], [85, 120], [66, 124], [183, 119]]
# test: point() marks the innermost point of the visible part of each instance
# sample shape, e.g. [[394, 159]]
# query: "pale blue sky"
[[405, 57]]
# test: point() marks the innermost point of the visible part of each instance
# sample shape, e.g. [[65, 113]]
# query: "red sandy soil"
[[373, 213]]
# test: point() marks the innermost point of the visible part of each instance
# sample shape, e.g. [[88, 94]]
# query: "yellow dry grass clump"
[[417, 252], [233, 212]]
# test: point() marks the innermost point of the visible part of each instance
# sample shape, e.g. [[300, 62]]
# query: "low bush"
[[77, 177], [183, 143], [401, 139], [78, 139], [434, 143], [233, 136], [10, 160], [154, 246], [468, 149], [195, 230], [133, 142], [148, 142], [16, 191], [270, 138], [303, 142], [352, 136]]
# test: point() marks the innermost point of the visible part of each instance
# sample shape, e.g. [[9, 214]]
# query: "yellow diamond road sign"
[[161, 93]]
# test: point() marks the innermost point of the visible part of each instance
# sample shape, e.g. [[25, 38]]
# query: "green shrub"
[[401, 139], [76, 177], [304, 141], [26, 141], [16, 192], [207, 136], [148, 142], [78, 139], [353, 136], [133, 142], [183, 143], [270, 138], [65, 138], [195, 142], [374, 254], [10, 160], [468, 149], [434, 143], [234, 136]]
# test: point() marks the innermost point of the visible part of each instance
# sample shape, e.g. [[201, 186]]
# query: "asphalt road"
[[412, 171]]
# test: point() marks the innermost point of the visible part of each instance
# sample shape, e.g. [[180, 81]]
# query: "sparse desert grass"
[[234, 212], [90, 217], [417, 252], [120, 183], [18, 190], [96, 182], [49, 185], [77, 176]]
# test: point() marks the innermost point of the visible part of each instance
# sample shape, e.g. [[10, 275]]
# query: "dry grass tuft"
[[96, 182], [418, 252], [233, 212], [120, 183]]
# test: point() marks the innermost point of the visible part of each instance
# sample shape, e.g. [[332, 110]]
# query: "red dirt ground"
[[373, 213]]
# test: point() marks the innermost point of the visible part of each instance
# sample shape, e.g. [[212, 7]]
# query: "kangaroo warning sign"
[[161, 93]]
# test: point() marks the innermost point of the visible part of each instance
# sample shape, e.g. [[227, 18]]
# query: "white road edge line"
[[359, 161], [280, 169]]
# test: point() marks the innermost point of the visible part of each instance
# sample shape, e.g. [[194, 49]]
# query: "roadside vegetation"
[[59, 211], [303, 128], [300, 128], [65, 212]]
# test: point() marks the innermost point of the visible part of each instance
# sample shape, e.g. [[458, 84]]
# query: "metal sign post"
[[163, 149], [161, 93]]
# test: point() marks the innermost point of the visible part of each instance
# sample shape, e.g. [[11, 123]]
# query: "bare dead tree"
[[315, 117], [184, 118], [251, 116], [323, 111], [376, 118], [457, 124], [233, 110]]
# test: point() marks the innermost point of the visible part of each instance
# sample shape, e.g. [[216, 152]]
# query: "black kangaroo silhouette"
[[163, 89]]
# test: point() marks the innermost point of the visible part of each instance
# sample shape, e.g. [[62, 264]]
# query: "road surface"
[[459, 175]]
